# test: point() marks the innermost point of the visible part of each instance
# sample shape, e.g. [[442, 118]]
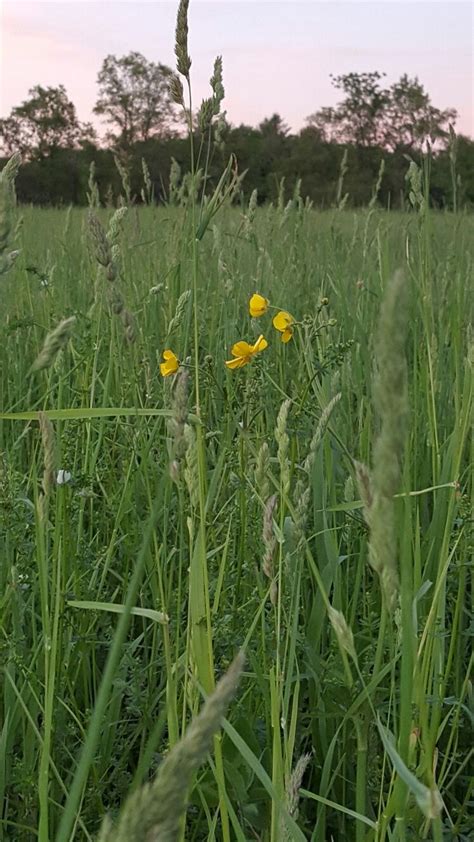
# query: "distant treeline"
[[343, 154], [63, 177]]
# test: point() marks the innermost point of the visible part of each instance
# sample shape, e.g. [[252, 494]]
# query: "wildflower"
[[258, 305], [283, 322], [63, 477], [171, 364], [243, 352]]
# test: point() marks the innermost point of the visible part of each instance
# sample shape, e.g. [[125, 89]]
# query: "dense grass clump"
[[246, 520]]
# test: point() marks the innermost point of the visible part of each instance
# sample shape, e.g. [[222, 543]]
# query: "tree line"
[[367, 139]]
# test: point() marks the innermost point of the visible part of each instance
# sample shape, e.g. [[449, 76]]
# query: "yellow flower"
[[258, 305], [171, 364], [243, 352], [283, 322]]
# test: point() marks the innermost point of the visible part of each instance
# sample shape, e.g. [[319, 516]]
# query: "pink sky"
[[277, 55]]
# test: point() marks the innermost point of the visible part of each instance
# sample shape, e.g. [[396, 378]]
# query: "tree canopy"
[[372, 122], [399, 117], [46, 121], [134, 98]]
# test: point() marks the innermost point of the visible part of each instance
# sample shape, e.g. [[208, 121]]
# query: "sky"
[[277, 55]]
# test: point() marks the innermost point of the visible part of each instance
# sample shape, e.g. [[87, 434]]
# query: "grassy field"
[[311, 508]]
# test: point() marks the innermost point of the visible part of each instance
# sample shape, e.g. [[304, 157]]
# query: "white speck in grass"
[[63, 477]]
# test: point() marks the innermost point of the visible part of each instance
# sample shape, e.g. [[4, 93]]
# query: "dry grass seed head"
[[282, 439], [54, 342], [154, 812], [262, 469], [48, 440], [101, 246]]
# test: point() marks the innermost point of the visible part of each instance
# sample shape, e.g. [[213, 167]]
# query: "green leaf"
[[118, 608], [261, 774], [89, 412], [304, 793], [428, 800]]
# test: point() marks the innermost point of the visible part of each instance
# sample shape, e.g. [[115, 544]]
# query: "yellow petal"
[[258, 305], [286, 335], [166, 369], [171, 363], [260, 345], [238, 362], [241, 349], [282, 320]]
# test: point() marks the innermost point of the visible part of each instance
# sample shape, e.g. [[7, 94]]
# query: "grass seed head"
[[391, 404], [205, 114], [100, 243], [319, 432], [364, 485], [177, 319], [176, 89], [342, 631], [154, 812], [54, 342], [270, 544], [292, 791], [217, 85], [115, 225], [48, 440], [183, 60], [176, 424], [191, 470], [128, 321], [262, 469], [282, 439], [7, 203]]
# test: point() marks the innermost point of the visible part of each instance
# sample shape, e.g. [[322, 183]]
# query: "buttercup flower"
[[171, 364], [283, 322], [243, 352], [258, 305]]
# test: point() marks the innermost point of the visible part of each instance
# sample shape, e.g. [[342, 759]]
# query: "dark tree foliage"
[[43, 123], [399, 117], [134, 99], [62, 177], [371, 122]]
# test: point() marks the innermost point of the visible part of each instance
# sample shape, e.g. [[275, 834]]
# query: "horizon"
[[277, 56]]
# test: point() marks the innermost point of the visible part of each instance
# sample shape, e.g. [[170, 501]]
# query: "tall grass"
[[109, 409], [311, 508]]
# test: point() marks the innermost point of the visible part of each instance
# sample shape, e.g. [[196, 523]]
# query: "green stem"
[[361, 775], [89, 747], [199, 586]]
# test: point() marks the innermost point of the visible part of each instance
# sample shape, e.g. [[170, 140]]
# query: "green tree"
[[134, 98], [323, 124], [46, 121], [410, 117], [400, 117], [357, 119]]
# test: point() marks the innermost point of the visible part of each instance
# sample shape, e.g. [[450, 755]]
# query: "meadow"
[[310, 508], [235, 509]]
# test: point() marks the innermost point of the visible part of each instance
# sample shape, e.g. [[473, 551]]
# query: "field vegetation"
[[234, 441]]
